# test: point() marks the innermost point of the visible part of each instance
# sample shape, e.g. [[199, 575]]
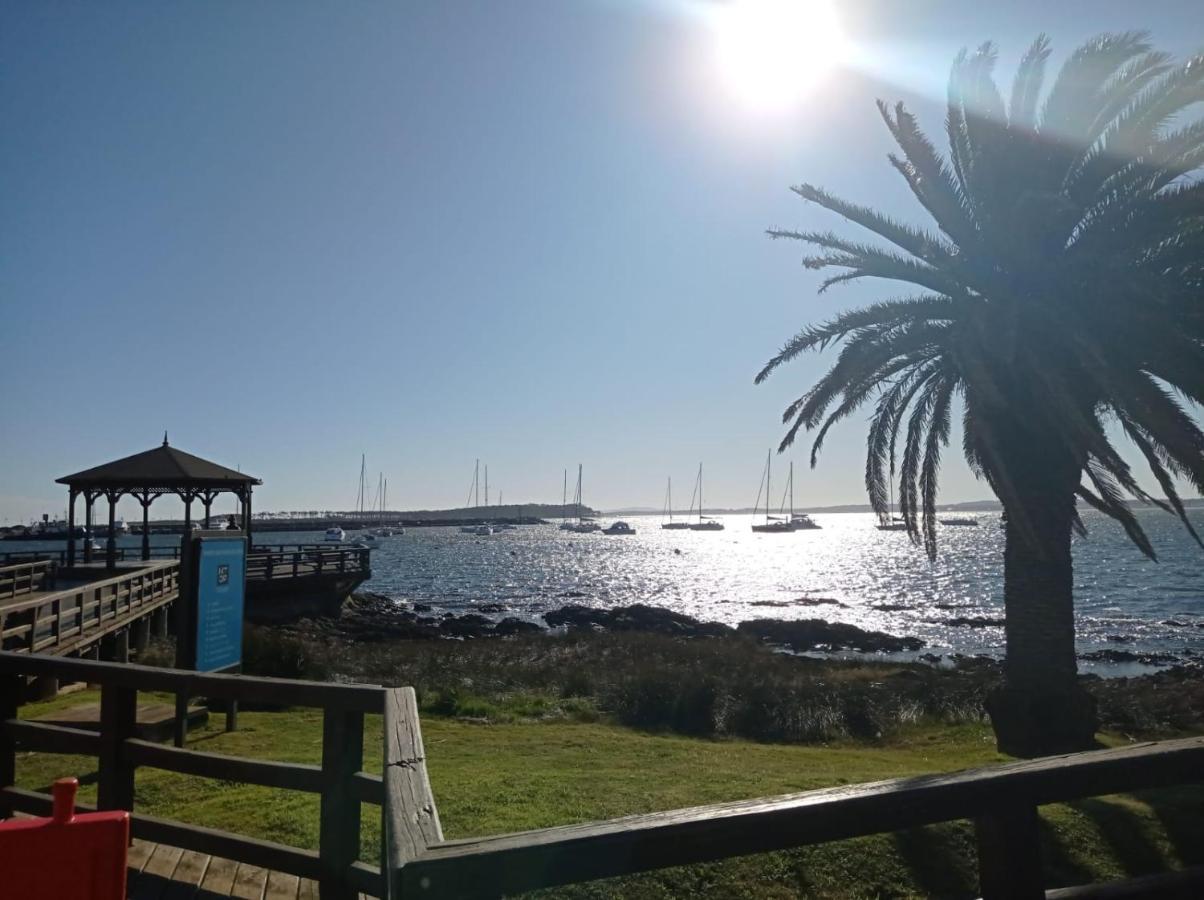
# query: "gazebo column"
[[71, 526], [187, 513], [207, 502], [146, 499], [88, 498], [246, 516], [111, 543]]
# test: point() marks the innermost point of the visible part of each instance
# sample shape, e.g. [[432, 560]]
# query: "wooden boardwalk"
[[160, 872]]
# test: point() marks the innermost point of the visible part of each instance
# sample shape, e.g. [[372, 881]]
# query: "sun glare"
[[772, 52]]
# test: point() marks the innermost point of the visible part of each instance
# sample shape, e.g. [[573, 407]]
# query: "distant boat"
[[583, 525], [565, 524], [483, 530], [704, 523], [671, 525], [963, 521], [798, 521], [335, 534], [772, 524], [619, 527]]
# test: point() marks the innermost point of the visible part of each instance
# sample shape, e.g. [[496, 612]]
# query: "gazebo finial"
[[164, 438]]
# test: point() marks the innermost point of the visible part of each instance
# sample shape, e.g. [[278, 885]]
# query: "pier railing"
[[339, 779], [263, 560], [65, 621], [26, 577]]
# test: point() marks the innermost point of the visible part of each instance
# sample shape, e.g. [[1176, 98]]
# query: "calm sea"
[[880, 580]]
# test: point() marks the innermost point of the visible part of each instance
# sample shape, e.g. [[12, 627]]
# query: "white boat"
[[619, 527], [335, 534], [483, 530], [889, 522], [803, 522], [671, 525], [94, 546], [963, 521], [704, 523], [368, 536]]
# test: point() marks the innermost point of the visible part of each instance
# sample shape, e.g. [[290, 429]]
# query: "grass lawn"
[[491, 778]]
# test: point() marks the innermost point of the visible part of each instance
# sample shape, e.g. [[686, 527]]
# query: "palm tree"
[[1063, 295]]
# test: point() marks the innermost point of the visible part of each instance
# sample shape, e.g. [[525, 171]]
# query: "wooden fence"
[[338, 780], [1002, 801], [68, 620], [263, 560]]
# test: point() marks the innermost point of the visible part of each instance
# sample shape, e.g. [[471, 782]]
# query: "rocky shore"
[[372, 617]]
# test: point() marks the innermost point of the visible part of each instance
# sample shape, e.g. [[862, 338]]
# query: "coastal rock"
[[491, 608], [817, 634], [1127, 656], [970, 622], [511, 625], [638, 617], [801, 601], [893, 607]]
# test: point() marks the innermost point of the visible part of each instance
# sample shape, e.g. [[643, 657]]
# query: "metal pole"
[[146, 502], [111, 543], [88, 498], [71, 527]]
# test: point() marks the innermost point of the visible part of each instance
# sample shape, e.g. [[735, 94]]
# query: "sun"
[[773, 52]]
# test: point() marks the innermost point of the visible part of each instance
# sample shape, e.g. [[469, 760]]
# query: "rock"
[[1121, 638], [422, 607], [801, 601], [638, 617], [491, 608], [893, 607], [511, 625], [816, 634], [970, 622], [1124, 656]]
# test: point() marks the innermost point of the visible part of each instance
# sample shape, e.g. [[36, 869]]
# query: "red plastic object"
[[67, 857]]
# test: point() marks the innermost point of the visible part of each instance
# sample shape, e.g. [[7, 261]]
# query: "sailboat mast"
[[700, 493], [792, 490], [578, 492], [476, 485], [768, 467], [564, 498], [669, 498], [486, 484]]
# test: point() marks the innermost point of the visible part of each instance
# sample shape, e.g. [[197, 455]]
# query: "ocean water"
[[880, 580]]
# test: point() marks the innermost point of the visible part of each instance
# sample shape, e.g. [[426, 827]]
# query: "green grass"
[[512, 775]]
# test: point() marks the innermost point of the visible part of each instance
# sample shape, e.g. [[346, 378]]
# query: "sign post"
[[214, 569]]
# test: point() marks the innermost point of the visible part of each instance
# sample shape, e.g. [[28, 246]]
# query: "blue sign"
[[221, 583]]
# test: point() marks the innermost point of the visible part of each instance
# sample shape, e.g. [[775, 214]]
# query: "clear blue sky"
[[530, 232]]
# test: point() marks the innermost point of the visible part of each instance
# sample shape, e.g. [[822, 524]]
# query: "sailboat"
[[772, 524], [798, 521], [891, 522], [671, 525], [474, 495], [703, 523], [582, 525], [565, 524]]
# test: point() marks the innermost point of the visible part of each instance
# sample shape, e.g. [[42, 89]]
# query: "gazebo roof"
[[163, 467]]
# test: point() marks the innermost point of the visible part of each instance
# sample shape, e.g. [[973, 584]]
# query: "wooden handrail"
[[534, 859]]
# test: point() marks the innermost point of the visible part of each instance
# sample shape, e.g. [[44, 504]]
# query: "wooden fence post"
[[10, 699], [1009, 853], [118, 717], [339, 825]]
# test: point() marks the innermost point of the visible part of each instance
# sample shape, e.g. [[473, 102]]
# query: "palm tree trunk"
[[1041, 709]]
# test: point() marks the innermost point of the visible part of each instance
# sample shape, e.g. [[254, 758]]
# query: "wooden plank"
[[307, 890], [186, 880], [291, 776], [219, 877], [45, 738], [1187, 882], [281, 886], [520, 862], [252, 851], [411, 818], [279, 691], [137, 855], [163, 860], [249, 882]]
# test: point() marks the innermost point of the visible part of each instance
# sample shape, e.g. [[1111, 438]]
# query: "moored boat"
[[619, 527], [335, 534]]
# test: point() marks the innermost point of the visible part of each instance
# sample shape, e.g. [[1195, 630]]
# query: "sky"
[[531, 232]]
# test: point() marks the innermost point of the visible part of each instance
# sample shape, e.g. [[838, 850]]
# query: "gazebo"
[[146, 476]]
